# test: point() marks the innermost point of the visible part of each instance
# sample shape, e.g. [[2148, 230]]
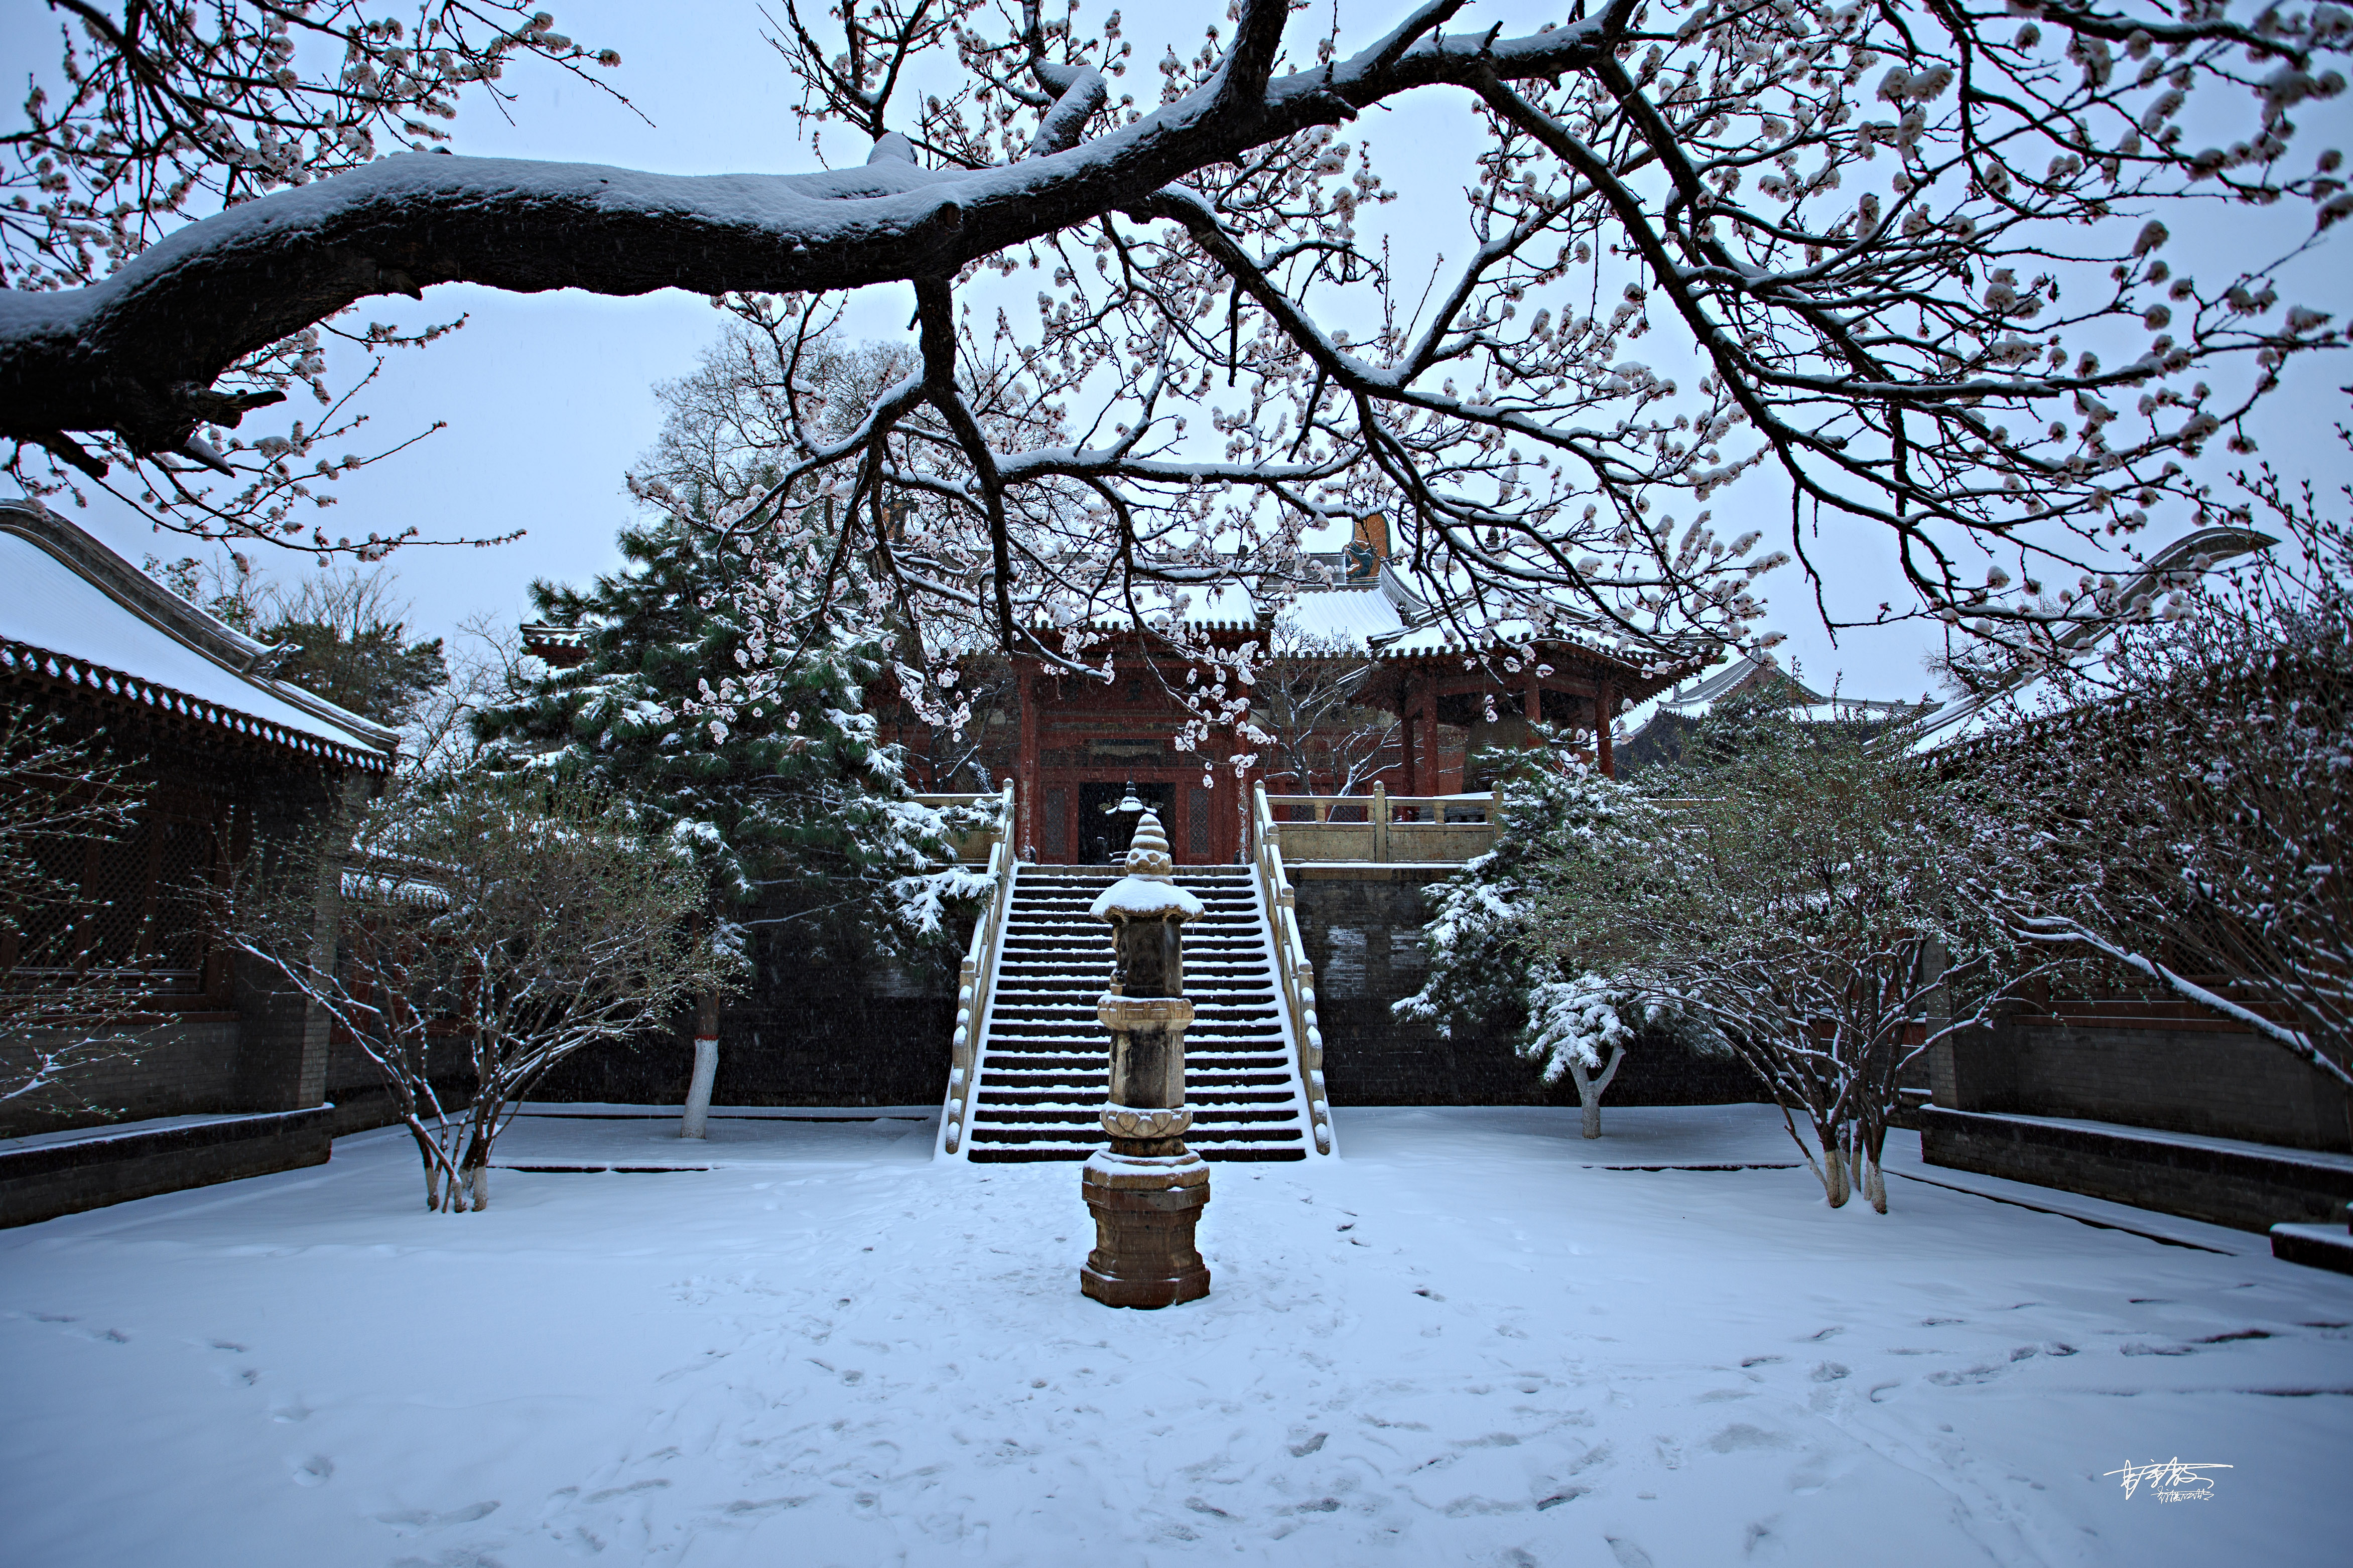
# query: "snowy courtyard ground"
[[1464, 1341]]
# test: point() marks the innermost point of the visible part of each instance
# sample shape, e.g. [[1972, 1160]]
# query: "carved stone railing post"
[[1148, 1189]]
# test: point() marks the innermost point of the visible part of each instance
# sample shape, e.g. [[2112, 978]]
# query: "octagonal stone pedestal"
[[1146, 1207]]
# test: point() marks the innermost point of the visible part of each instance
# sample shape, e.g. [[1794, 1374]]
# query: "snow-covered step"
[[1042, 1069]]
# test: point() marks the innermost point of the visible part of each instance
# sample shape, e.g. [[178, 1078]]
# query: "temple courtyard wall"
[[874, 1032]]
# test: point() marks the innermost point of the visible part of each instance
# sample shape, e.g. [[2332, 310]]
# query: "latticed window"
[[142, 896]]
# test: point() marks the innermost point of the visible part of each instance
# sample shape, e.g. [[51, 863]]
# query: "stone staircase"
[[1042, 1069]]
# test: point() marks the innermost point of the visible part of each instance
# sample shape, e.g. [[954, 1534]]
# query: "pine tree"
[[796, 810]]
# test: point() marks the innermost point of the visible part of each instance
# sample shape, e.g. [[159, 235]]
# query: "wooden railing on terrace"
[[1445, 829]]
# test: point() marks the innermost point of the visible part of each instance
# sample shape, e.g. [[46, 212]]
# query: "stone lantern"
[[1148, 1189]]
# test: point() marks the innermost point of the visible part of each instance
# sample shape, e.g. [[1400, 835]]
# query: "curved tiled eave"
[[27, 662], [1634, 682]]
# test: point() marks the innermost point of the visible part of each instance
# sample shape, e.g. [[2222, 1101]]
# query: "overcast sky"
[[549, 397]]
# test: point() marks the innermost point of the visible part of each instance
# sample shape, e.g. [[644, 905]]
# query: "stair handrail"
[[975, 977], [1291, 966]]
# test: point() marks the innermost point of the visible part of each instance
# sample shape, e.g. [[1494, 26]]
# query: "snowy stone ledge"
[[46, 1175]]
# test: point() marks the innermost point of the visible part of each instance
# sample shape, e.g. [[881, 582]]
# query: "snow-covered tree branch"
[[163, 111], [1857, 222]]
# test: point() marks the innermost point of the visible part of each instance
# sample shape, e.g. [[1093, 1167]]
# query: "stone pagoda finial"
[[1148, 890]]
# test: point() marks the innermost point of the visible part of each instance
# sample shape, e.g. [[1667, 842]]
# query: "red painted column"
[[1026, 802], [1533, 710], [1433, 760], [1605, 714], [1408, 731]]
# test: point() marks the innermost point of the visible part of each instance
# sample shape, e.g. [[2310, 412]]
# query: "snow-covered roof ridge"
[[73, 609], [129, 587], [1967, 716]]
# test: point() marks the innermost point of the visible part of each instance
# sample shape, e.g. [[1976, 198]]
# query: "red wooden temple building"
[[1421, 704]]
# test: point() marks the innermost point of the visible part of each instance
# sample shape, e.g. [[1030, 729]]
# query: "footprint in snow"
[[746, 1507], [314, 1471], [408, 1520], [1629, 1555], [1300, 1450], [1740, 1434]]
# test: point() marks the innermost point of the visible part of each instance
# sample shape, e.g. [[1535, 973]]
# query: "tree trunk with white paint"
[[1589, 1088], [696, 1123]]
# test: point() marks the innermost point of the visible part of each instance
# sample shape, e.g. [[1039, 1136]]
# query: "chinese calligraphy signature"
[[2170, 1480]]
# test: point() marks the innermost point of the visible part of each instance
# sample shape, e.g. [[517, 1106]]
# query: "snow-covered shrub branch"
[[1805, 896], [64, 1001], [491, 928], [2186, 795]]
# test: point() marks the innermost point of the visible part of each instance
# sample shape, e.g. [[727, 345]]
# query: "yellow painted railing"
[[977, 975], [1290, 964], [1380, 828]]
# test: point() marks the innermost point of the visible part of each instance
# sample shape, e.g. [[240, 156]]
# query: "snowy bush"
[[1573, 1023], [1804, 899], [491, 928], [1496, 963], [2183, 805]]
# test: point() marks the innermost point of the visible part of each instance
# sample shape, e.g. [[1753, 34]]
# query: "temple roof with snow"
[[74, 612]]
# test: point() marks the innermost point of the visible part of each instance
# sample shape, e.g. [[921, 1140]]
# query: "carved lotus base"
[[1145, 1208], [1135, 1121]]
